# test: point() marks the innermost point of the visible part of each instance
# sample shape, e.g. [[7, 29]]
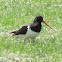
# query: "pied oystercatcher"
[[31, 30]]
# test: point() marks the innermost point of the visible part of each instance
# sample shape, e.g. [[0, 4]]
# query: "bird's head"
[[39, 19]]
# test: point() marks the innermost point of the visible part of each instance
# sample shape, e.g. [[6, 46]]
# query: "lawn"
[[47, 46]]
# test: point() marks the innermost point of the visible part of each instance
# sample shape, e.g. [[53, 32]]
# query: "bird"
[[31, 30]]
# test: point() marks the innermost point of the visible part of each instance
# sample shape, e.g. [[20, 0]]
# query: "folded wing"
[[22, 30]]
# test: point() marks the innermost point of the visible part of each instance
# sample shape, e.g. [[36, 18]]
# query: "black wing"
[[22, 30]]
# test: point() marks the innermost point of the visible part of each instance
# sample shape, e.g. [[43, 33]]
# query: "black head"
[[38, 19]]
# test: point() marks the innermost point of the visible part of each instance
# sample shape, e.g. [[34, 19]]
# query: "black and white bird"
[[31, 30]]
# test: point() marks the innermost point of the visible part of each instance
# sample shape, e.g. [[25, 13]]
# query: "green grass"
[[47, 46]]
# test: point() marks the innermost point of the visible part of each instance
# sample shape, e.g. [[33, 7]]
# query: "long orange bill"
[[47, 24]]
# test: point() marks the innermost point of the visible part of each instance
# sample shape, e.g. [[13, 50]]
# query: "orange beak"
[[47, 24]]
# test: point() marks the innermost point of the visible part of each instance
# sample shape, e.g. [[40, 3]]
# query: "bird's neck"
[[36, 27]]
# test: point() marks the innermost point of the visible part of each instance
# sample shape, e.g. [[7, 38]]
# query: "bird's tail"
[[14, 33]]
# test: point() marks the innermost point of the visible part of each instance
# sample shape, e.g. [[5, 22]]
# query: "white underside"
[[30, 34]]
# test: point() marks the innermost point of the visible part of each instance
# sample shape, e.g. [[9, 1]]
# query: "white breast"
[[30, 33]]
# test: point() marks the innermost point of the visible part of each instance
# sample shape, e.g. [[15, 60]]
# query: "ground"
[[47, 46]]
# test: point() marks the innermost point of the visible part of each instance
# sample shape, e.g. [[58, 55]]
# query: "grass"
[[47, 46]]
